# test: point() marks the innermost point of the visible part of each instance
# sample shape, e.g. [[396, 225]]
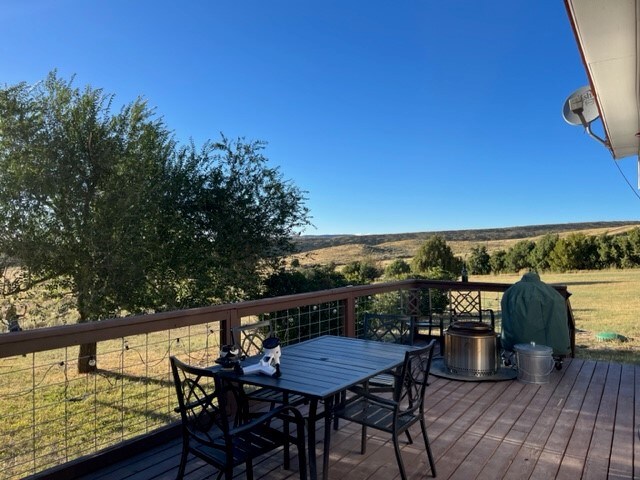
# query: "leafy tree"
[[110, 206], [303, 279], [361, 272], [499, 261], [609, 251], [397, 269], [308, 320], [436, 300], [436, 254], [518, 256], [558, 259], [575, 252], [630, 248], [582, 251], [540, 253], [479, 261]]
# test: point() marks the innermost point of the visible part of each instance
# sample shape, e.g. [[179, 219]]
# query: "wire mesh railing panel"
[[388, 303], [302, 323], [54, 414]]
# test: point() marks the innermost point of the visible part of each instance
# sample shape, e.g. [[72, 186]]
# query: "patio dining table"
[[321, 369]]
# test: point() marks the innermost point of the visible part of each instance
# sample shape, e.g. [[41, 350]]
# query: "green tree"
[[629, 246], [541, 252], [609, 251], [361, 272], [575, 252], [436, 254], [303, 279], [479, 261], [111, 207], [518, 256], [397, 269], [499, 261]]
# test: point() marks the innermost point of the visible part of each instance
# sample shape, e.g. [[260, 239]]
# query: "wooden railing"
[[54, 414], [26, 342]]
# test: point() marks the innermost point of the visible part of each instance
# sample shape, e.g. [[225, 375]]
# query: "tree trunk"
[[87, 360]]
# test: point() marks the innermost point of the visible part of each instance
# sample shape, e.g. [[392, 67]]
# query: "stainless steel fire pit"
[[470, 349]]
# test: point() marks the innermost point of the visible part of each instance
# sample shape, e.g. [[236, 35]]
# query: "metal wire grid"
[[54, 414], [309, 321]]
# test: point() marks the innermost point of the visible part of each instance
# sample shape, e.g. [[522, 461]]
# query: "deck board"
[[582, 424]]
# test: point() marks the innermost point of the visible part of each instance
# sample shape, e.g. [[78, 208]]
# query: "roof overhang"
[[607, 36]]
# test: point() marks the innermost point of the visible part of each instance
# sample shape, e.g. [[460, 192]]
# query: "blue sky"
[[403, 116]]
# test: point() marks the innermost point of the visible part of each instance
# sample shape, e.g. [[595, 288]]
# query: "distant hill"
[[342, 249]]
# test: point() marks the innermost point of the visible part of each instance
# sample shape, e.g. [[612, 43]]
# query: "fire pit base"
[[438, 369], [470, 349]]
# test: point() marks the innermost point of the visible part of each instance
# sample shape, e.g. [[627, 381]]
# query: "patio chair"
[[461, 305], [249, 339], [466, 305], [387, 328], [209, 433], [395, 415]]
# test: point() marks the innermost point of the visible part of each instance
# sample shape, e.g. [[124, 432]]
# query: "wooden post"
[[232, 321], [350, 317]]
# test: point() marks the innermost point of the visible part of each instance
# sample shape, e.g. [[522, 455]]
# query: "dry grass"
[[602, 301], [385, 252]]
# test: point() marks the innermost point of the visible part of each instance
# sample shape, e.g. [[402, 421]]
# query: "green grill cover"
[[533, 311]]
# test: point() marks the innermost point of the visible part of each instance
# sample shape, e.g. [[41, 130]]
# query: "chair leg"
[[183, 461], [302, 452], [340, 399], [228, 473], [396, 447], [432, 463], [287, 452], [249, 469], [409, 439], [285, 427]]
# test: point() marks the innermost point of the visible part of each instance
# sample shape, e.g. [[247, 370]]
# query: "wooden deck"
[[582, 424]]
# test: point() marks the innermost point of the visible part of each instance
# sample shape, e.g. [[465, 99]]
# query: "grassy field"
[[383, 249], [602, 301]]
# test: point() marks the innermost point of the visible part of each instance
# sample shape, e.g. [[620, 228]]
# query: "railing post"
[[233, 320], [350, 317], [413, 303]]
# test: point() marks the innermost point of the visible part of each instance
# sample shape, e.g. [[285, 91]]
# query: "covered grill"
[[533, 311], [470, 349]]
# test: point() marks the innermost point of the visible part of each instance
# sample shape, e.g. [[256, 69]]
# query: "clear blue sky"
[[394, 116]]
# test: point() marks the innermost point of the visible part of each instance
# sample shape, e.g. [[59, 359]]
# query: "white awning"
[[607, 36]]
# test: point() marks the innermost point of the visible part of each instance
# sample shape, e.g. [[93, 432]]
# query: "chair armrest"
[[361, 392], [278, 412], [492, 316]]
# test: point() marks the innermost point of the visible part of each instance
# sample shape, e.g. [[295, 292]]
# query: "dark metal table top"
[[326, 365]]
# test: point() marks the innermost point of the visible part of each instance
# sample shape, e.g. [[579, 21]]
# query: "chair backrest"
[[249, 337], [202, 404], [467, 305], [409, 392], [388, 328]]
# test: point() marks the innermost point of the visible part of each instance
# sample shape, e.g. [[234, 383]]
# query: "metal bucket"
[[470, 349], [535, 362]]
